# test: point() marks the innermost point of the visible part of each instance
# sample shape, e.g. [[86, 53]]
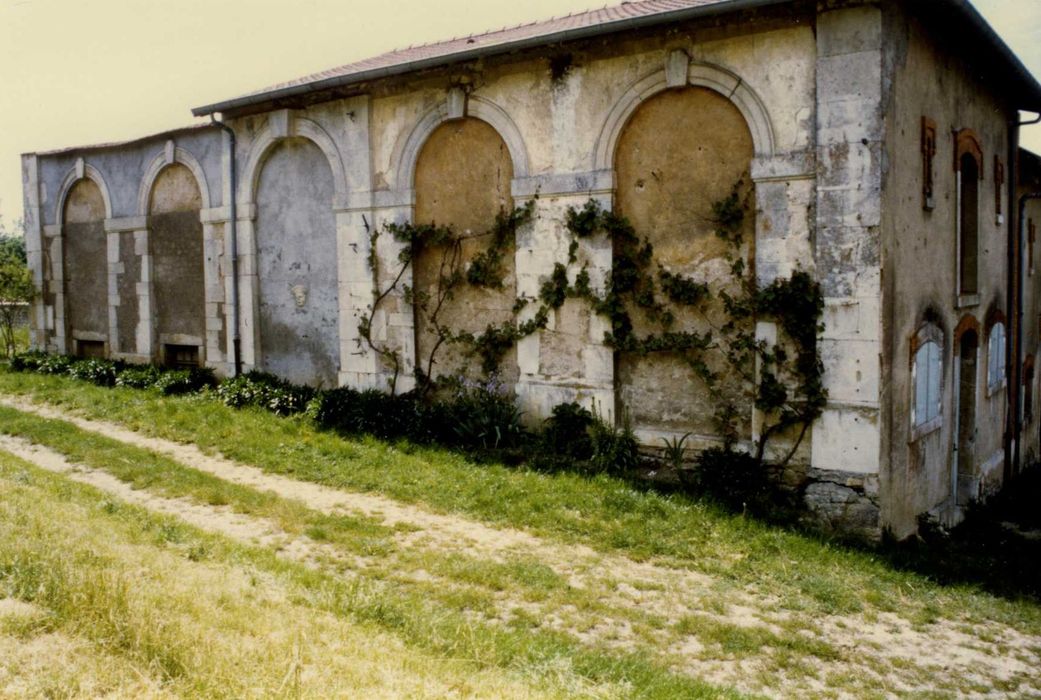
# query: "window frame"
[[929, 335], [998, 362], [966, 144]]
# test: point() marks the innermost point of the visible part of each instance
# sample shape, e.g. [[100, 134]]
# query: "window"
[[928, 152], [999, 181], [969, 166], [181, 356], [996, 357], [90, 348], [927, 375]]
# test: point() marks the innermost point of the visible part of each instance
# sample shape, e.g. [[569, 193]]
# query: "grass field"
[[317, 566]]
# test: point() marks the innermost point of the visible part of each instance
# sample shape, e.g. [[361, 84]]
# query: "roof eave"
[[1028, 102], [680, 15]]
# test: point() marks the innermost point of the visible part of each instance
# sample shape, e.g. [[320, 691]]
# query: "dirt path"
[[219, 519], [881, 652]]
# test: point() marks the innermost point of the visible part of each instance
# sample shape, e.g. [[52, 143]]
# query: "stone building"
[[875, 141]]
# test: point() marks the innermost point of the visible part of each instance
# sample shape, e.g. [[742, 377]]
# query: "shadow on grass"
[[997, 547]]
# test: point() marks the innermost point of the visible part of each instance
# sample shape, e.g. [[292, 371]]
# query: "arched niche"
[[296, 263], [681, 152], [407, 149], [84, 252], [705, 75], [175, 241], [462, 180]]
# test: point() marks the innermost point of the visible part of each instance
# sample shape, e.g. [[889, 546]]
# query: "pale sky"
[[78, 72]]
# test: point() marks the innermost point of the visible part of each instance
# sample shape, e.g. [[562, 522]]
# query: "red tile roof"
[[602, 18], [605, 15]]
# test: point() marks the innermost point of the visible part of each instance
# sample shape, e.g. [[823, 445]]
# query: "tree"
[[16, 285]]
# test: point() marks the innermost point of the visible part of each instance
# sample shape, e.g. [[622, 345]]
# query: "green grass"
[[180, 603], [806, 573], [143, 469]]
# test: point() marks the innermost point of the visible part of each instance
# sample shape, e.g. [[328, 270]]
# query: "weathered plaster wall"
[[86, 290], [176, 239], [124, 174], [562, 129], [681, 152], [920, 264], [128, 318], [462, 180], [296, 265]]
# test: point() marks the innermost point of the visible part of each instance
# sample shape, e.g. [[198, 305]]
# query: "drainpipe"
[[236, 341], [1021, 268]]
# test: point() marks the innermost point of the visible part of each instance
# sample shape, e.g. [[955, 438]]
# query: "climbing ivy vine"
[[782, 379]]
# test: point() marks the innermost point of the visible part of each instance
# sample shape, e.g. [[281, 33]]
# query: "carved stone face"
[[299, 293]]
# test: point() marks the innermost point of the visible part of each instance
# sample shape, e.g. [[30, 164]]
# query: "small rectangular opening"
[[181, 356], [90, 348]]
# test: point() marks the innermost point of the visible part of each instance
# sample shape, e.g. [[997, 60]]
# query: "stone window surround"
[[966, 142], [928, 155]]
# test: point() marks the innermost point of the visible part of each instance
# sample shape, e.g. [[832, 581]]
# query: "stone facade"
[[817, 108]]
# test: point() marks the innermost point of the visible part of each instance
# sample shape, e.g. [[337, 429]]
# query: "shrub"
[[615, 450], [185, 381], [138, 376], [371, 411], [94, 370], [265, 391], [481, 415], [566, 432], [736, 479], [28, 361]]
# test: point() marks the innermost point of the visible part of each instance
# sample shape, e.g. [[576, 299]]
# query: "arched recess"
[[175, 242], [84, 208], [82, 171], [269, 136], [705, 75], [156, 166], [462, 179], [407, 149], [296, 262], [681, 152]]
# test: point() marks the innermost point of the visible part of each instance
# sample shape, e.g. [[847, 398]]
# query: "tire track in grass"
[[219, 519], [888, 649]]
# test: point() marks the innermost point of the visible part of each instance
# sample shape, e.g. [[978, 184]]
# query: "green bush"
[[138, 376], [185, 381], [265, 391], [615, 450], [736, 479], [482, 415], [94, 370], [566, 432], [372, 412]]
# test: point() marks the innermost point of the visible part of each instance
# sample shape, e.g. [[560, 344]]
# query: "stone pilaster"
[[568, 361], [850, 133]]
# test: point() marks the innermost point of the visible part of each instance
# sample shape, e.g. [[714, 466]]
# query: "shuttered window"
[[928, 373], [996, 356]]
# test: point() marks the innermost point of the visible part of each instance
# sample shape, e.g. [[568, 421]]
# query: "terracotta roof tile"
[[602, 16]]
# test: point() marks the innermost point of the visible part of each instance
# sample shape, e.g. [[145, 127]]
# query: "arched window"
[[969, 166], [927, 380], [996, 357]]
